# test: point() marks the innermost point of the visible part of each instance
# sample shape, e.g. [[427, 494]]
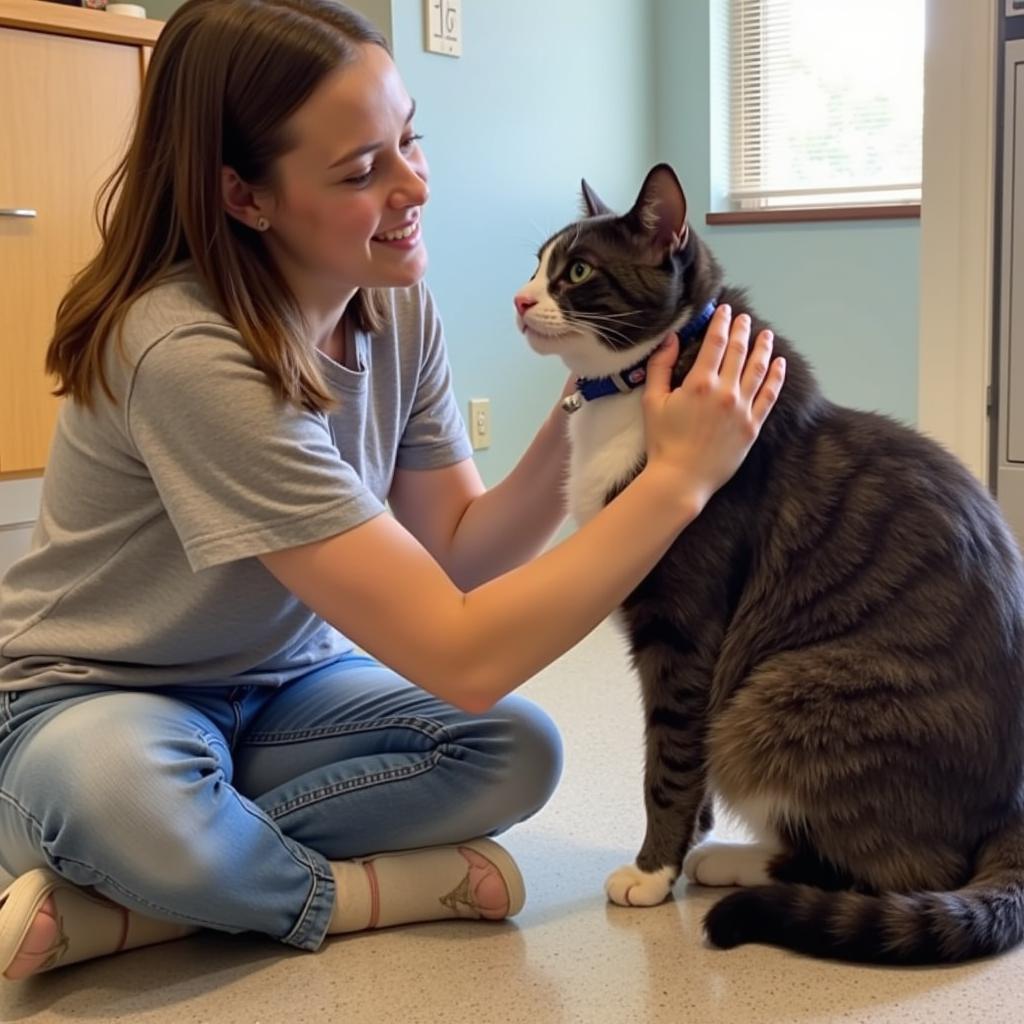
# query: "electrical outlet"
[[480, 423]]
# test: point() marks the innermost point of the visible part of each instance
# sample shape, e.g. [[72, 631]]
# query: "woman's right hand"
[[701, 431]]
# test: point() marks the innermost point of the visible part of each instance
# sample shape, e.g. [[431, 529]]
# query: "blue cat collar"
[[589, 388], [698, 324]]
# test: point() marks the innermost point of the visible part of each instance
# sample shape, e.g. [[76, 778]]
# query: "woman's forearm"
[[517, 624], [385, 591], [513, 521]]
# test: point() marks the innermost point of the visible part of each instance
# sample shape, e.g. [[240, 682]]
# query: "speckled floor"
[[567, 957]]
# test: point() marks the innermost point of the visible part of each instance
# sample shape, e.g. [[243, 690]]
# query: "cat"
[[834, 649]]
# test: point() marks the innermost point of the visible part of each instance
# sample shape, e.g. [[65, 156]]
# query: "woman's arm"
[[477, 534], [381, 588]]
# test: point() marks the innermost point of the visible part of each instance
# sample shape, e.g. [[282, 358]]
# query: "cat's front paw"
[[631, 887], [714, 863]]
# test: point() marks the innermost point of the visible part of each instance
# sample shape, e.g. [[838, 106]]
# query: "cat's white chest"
[[607, 438]]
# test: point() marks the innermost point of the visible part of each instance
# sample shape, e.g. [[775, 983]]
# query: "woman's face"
[[345, 209]]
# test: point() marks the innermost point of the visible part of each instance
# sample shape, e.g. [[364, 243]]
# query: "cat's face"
[[607, 288]]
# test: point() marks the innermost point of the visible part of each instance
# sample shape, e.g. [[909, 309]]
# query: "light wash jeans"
[[221, 807]]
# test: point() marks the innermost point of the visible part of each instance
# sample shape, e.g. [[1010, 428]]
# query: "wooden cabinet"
[[69, 89]]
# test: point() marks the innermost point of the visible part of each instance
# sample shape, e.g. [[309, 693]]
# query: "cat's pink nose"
[[523, 303]]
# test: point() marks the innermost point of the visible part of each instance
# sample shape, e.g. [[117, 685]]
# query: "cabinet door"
[[66, 109]]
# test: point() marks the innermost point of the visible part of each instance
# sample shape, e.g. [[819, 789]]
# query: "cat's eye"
[[579, 271]]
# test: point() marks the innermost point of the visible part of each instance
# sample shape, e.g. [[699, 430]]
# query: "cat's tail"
[[985, 917]]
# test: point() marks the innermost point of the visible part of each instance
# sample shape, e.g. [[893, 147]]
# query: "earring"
[[262, 224]]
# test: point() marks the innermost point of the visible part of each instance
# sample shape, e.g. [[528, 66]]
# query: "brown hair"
[[224, 78]]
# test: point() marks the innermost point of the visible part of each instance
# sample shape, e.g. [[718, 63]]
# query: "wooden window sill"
[[910, 211]]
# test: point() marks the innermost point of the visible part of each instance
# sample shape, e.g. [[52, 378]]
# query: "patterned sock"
[[477, 879]]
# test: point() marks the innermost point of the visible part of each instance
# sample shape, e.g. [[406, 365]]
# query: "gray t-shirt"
[[142, 568]]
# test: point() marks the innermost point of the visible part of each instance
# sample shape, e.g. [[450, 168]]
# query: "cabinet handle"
[[17, 213]]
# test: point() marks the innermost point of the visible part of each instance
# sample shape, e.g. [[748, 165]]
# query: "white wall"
[[957, 228]]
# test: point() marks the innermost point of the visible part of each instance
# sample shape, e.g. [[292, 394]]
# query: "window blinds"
[[825, 102]]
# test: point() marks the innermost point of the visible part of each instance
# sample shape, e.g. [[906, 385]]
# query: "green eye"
[[580, 272]]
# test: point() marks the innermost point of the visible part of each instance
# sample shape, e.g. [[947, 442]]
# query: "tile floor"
[[567, 958]]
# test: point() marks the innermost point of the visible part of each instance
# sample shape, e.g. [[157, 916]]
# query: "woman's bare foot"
[[41, 942]]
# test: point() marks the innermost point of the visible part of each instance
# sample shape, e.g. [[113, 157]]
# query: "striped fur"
[[837, 641]]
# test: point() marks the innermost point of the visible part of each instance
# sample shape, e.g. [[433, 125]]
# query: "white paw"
[[714, 863], [631, 887]]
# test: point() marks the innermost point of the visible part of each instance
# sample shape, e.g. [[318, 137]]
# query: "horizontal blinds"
[[825, 102]]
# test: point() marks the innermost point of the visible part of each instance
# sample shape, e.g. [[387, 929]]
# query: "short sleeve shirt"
[[143, 567]]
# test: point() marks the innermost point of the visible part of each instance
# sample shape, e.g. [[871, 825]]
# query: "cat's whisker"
[[605, 316], [599, 323], [538, 232], [594, 325], [608, 333]]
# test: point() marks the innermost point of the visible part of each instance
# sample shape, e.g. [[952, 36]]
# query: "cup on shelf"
[[130, 10]]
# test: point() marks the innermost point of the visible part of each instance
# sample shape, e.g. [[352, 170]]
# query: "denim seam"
[[364, 782], [289, 847], [236, 728], [38, 827], [6, 715], [24, 811], [423, 725], [301, 927], [176, 914], [300, 920]]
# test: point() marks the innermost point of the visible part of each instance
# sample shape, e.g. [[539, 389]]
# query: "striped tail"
[[985, 917]]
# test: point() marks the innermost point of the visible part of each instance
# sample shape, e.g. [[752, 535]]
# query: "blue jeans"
[[220, 807]]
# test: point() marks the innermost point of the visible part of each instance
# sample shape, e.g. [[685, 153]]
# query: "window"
[[825, 103]]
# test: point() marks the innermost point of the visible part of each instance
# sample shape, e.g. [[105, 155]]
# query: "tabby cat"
[[834, 649]]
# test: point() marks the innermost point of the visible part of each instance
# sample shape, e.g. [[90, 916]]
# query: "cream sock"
[[476, 879]]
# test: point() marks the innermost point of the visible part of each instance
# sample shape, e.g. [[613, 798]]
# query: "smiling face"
[[607, 289], [346, 202]]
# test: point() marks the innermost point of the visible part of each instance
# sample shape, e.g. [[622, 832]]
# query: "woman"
[[253, 367]]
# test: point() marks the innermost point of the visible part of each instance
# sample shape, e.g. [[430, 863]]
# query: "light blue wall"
[[547, 92], [845, 293], [544, 94]]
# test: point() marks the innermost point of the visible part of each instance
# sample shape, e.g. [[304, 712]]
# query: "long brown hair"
[[225, 75]]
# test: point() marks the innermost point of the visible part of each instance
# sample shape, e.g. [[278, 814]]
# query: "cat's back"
[[867, 521], [858, 468]]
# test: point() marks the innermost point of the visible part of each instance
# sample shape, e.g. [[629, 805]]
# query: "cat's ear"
[[592, 205], [660, 210]]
